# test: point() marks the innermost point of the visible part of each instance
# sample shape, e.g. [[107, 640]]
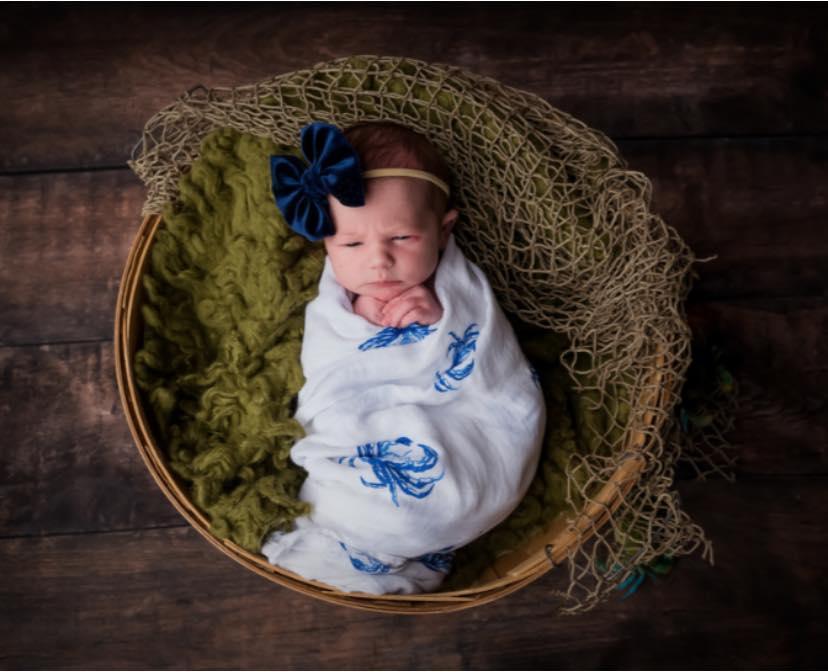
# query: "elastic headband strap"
[[407, 172]]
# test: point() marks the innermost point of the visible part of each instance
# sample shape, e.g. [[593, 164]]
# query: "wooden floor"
[[725, 108]]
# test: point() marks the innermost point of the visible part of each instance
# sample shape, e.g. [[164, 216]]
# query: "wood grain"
[[759, 204], [69, 463], [64, 242], [198, 609], [80, 82]]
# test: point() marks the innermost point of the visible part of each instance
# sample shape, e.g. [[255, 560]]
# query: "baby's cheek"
[[426, 260]]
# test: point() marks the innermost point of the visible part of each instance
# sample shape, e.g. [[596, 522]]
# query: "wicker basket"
[[619, 270], [510, 572]]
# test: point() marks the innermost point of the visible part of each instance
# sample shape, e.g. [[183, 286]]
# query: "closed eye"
[[355, 243]]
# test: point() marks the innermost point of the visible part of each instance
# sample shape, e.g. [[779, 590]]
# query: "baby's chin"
[[383, 293]]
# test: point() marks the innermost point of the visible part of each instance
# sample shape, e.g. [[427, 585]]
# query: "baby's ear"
[[447, 225]]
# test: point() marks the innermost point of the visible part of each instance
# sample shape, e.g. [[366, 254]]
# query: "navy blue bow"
[[301, 192]]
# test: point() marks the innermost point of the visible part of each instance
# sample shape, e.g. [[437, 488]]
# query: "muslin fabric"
[[418, 439]]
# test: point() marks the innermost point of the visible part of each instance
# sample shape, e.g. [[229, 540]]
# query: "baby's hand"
[[369, 308], [417, 304]]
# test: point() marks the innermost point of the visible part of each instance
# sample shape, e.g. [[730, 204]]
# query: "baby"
[[423, 419], [386, 251]]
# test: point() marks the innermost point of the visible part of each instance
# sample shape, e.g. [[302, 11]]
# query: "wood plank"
[[776, 349], [81, 82], [759, 205], [92, 601], [69, 463], [777, 342], [63, 246]]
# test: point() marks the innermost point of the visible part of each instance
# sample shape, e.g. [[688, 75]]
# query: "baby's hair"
[[387, 144]]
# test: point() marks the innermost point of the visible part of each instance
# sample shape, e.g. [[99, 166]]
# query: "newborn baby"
[[423, 419], [386, 252]]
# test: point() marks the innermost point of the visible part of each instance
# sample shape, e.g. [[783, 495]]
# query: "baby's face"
[[391, 243]]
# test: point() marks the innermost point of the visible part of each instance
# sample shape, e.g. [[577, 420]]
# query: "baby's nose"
[[381, 258]]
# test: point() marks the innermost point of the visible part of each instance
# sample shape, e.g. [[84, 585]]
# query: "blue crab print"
[[413, 333], [460, 350], [396, 470], [364, 562], [439, 561]]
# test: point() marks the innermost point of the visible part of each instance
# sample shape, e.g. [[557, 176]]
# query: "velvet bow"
[[301, 191]]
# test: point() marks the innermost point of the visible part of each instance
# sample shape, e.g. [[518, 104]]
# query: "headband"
[[407, 172], [301, 192]]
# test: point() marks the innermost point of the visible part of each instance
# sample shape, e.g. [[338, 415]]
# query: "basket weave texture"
[[562, 229]]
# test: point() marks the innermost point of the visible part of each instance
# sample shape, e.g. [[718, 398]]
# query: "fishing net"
[[562, 229]]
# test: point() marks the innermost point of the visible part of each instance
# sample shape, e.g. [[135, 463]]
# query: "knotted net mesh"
[[563, 231]]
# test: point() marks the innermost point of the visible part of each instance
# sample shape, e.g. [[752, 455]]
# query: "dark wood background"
[[724, 107]]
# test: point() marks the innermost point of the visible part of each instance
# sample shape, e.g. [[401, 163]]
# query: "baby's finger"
[[415, 315], [386, 318], [388, 306], [390, 317], [392, 303], [397, 311]]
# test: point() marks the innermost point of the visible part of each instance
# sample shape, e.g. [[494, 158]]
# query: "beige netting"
[[563, 231]]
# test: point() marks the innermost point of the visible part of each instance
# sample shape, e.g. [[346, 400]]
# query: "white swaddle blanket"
[[419, 439]]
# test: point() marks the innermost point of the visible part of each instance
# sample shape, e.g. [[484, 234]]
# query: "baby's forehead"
[[385, 209], [399, 191]]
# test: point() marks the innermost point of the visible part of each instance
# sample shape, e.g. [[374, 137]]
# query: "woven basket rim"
[[562, 537]]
